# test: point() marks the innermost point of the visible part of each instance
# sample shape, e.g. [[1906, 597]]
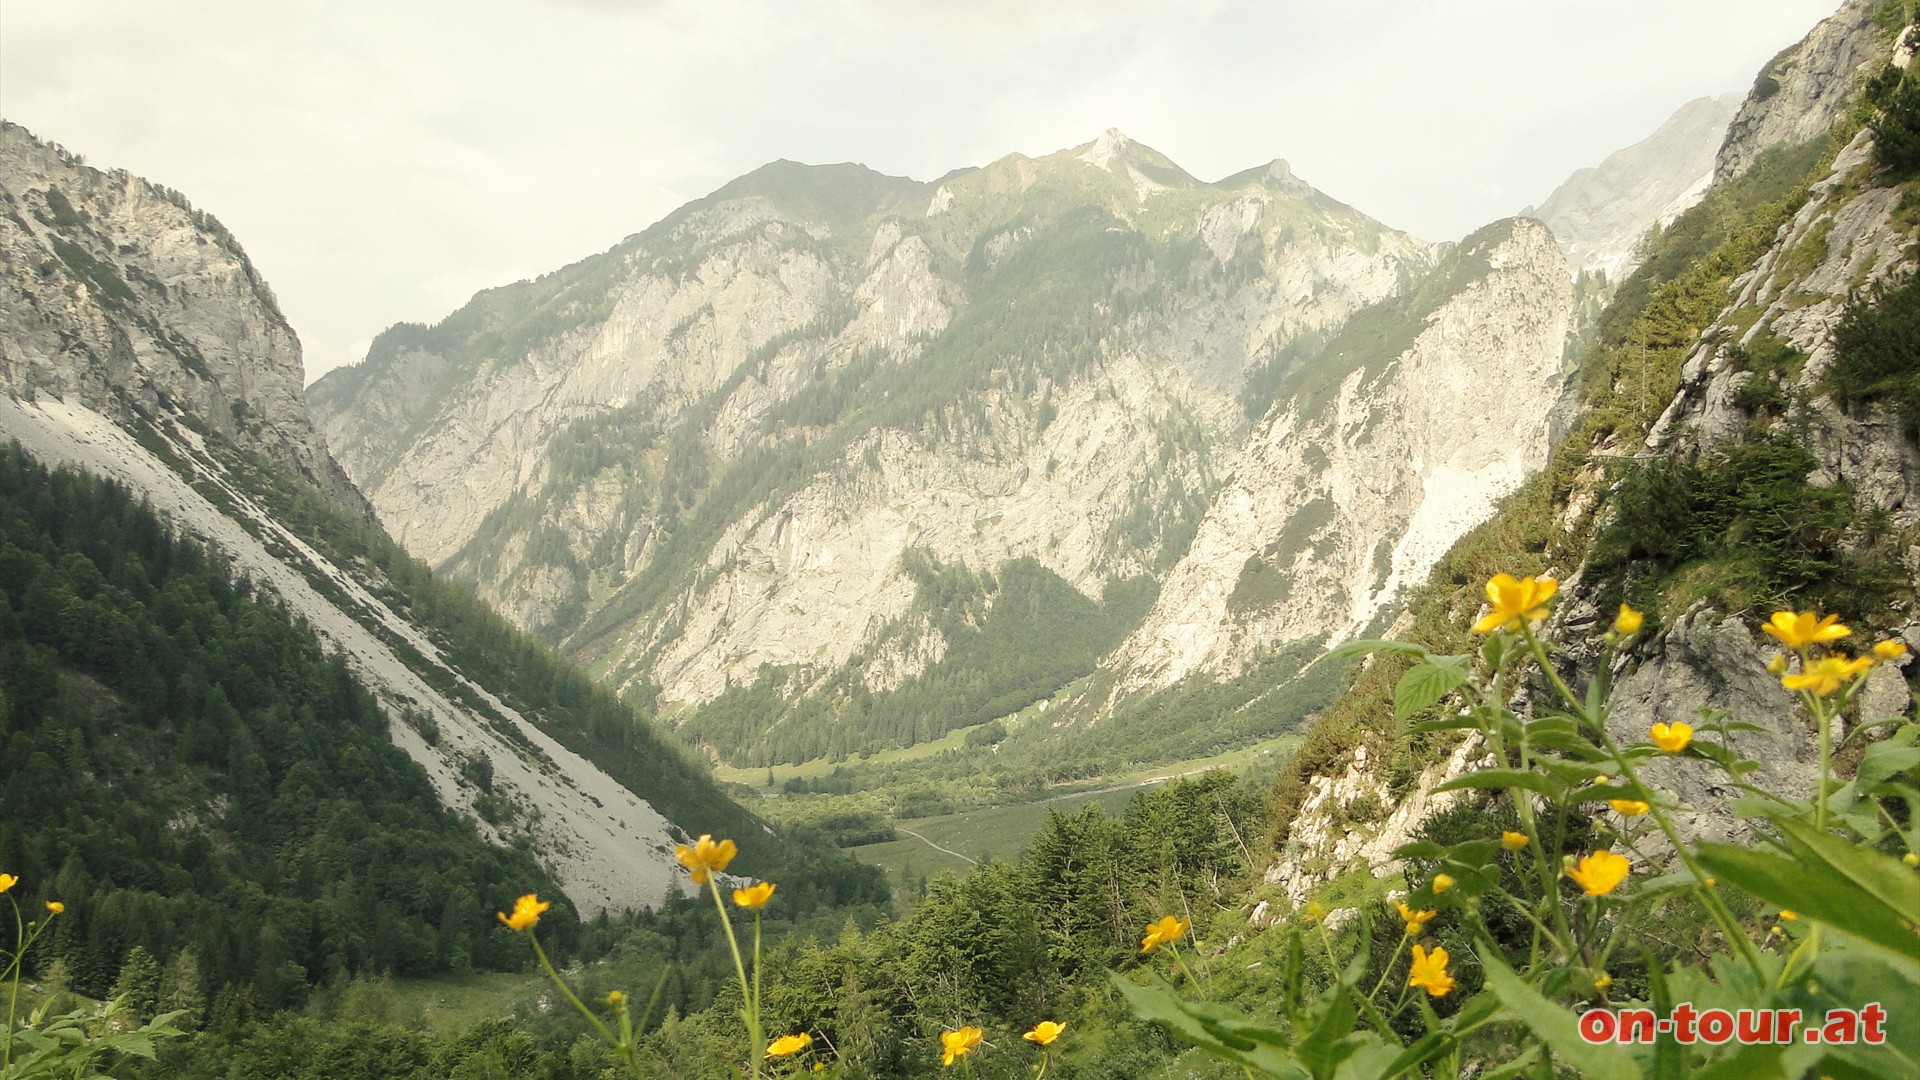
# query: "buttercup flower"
[[56, 907], [1416, 920], [1429, 972], [754, 897], [1910, 859], [526, 912], [615, 997], [1164, 932], [1797, 631], [1603, 982], [1441, 883], [1890, 649], [8, 881], [1313, 913], [958, 1044], [1044, 1032], [1513, 841], [1789, 916], [1777, 666], [1629, 807], [705, 858], [1515, 600], [1628, 621], [1827, 674], [1600, 873], [1673, 737], [789, 1045]]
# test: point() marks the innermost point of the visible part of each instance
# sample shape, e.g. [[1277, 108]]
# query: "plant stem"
[[751, 1011], [547, 966]]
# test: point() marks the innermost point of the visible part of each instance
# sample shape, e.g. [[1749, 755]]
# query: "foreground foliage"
[[1834, 868]]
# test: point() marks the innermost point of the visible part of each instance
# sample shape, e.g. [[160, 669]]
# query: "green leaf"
[[1497, 779], [1888, 879], [1204, 1029], [1424, 684], [1556, 1026], [1814, 890]]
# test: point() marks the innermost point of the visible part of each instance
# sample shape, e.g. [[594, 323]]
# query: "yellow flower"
[[1044, 1032], [1513, 841], [705, 858], [56, 906], [958, 1044], [1628, 621], [819, 1066], [1827, 674], [754, 897], [1515, 601], [8, 881], [1778, 665], [1910, 859], [1313, 913], [1797, 631], [1789, 916], [1602, 780], [1890, 650], [1673, 737], [1603, 982], [615, 998], [1600, 873], [1429, 972], [1441, 883], [1629, 807], [1416, 920], [788, 1045], [1165, 932], [526, 913]]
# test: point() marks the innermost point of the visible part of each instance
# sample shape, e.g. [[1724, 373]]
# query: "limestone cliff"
[[1379, 455], [118, 294]]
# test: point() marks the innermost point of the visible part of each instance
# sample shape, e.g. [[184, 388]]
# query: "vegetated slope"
[[190, 772], [1720, 465], [699, 460], [569, 771]]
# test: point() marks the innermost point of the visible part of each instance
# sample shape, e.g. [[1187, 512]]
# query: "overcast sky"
[[383, 161]]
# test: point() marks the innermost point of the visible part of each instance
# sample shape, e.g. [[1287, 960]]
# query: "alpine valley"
[[1007, 524]]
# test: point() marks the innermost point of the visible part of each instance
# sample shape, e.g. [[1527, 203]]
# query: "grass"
[[756, 777], [999, 832], [454, 1003], [1002, 832]]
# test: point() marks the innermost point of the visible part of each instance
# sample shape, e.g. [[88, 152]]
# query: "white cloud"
[[384, 161]]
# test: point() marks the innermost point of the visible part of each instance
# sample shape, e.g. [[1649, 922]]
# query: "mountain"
[[139, 345], [1742, 443], [1601, 214], [790, 459]]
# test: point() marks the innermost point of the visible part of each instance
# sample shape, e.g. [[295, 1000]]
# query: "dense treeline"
[[189, 772], [1004, 947]]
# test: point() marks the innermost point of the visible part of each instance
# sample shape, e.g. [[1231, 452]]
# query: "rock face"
[[1373, 464], [1802, 91], [117, 294], [137, 341], [1601, 214], [704, 453]]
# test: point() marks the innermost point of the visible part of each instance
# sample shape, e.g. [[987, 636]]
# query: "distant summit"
[[1600, 214]]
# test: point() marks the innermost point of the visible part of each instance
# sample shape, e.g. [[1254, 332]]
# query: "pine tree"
[[180, 990], [139, 983]]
